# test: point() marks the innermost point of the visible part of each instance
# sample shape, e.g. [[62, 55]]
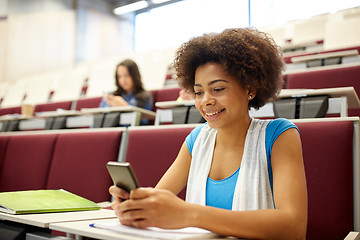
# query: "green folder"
[[43, 201]]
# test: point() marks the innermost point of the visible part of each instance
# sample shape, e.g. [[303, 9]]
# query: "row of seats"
[[327, 78], [159, 95], [288, 57], [75, 160]]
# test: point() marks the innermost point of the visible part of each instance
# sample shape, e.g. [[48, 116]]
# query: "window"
[[176, 23]]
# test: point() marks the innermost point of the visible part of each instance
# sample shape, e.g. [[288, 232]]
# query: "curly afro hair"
[[245, 53]]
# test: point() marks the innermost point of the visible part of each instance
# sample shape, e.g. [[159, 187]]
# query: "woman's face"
[[219, 97], [124, 78]]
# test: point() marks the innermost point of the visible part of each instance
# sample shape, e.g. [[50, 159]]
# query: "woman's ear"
[[251, 93]]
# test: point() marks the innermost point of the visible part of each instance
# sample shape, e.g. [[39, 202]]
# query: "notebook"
[[43, 201]]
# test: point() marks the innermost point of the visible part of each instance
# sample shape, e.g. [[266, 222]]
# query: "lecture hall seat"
[[45, 107], [165, 94], [93, 102], [10, 110], [3, 146], [79, 163], [327, 151], [151, 151], [330, 78], [26, 162]]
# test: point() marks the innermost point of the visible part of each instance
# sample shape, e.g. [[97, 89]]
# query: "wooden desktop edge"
[[146, 113]]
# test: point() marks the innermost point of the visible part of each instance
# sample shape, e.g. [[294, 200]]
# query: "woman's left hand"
[[149, 207]]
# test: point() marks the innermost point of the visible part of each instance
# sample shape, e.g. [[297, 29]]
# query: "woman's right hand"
[[119, 195]]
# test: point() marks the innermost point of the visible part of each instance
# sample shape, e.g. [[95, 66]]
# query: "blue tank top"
[[220, 193]]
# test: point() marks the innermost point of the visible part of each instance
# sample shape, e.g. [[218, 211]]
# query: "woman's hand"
[[119, 195], [115, 101], [149, 207]]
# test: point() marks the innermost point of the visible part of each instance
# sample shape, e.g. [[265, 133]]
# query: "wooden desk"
[[340, 100], [131, 115], [294, 46], [85, 118], [7, 118], [164, 112]]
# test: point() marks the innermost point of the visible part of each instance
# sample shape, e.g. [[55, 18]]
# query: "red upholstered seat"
[[10, 110], [166, 94], [79, 163], [151, 151], [66, 105], [328, 159], [3, 146], [88, 103], [331, 78], [27, 161]]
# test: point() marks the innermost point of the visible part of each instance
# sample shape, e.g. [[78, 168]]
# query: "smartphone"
[[123, 175]]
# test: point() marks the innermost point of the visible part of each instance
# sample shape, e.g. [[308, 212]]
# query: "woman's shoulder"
[[278, 126], [281, 123]]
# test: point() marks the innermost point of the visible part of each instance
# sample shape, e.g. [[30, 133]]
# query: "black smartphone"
[[123, 175]]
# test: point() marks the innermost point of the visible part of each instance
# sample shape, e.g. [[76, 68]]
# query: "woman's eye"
[[218, 89], [198, 92]]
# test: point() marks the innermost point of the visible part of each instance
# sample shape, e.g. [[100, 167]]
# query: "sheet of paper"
[[157, 233]]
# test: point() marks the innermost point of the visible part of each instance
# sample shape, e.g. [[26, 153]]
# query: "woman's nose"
[[208, 99]]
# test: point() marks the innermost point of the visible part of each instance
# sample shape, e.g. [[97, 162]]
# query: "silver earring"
[[250, 97]]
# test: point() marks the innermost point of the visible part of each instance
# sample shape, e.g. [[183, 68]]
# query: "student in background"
[[245, 177], [129, 89]]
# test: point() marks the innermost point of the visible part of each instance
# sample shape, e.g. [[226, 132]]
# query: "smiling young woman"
[[244, 177]]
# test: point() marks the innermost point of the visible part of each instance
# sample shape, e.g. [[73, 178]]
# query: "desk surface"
[[44, 219], [82, 228], [58, 113], [299, 45], [144, 112], [349, 92]]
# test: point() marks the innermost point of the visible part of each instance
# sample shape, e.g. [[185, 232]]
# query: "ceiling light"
[[159, 1], [131, 7]]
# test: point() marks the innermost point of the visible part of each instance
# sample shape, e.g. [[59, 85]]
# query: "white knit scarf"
[[252, 189]]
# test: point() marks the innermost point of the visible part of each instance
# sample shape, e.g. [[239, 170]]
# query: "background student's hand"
[[115, 101], [149, 207]]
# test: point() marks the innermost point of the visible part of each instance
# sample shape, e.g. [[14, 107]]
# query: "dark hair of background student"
[[134, 72]]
